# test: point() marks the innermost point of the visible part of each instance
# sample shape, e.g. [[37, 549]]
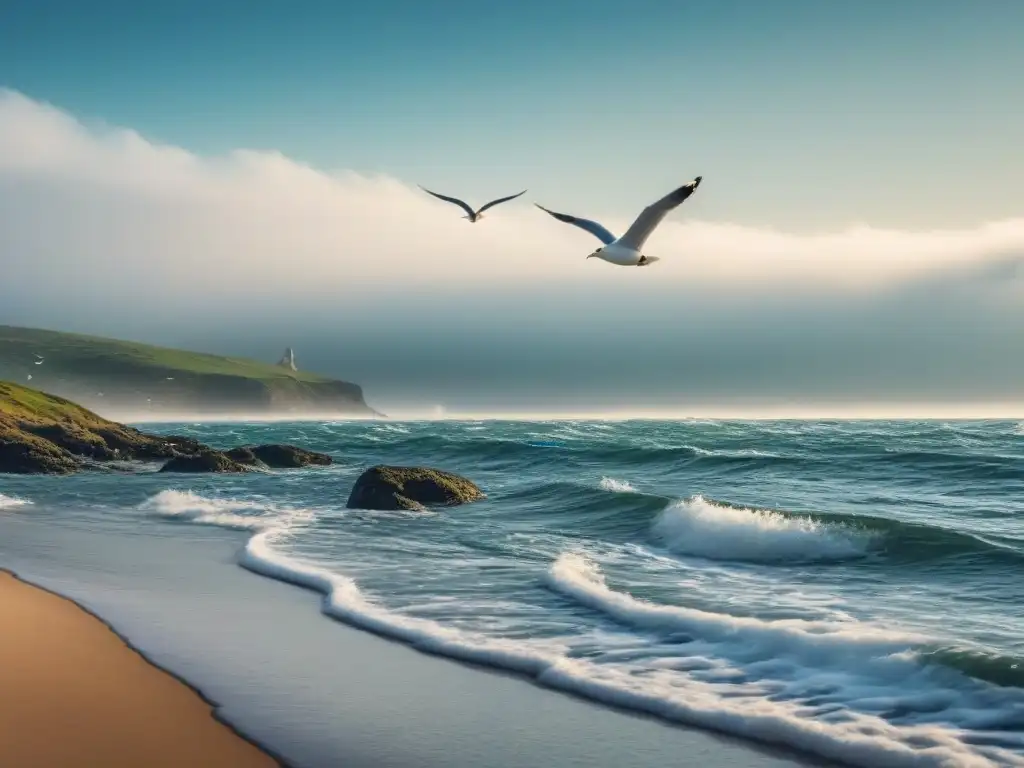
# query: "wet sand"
[[76, 694]]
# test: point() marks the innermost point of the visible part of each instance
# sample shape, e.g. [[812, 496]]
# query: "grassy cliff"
[[130, 379], [41, 433], [45, 434]]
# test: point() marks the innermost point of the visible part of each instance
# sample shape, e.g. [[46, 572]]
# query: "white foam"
[[857, 739], [703, 528], [392, 428], [615, 486], [817, 686], [344, 601], [737, 453], [576, 576], [238, 514], [7, 502]]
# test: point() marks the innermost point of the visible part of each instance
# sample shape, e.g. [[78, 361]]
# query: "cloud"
[[99, 224], [257, 218]]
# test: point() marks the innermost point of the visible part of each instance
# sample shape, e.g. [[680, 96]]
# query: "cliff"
[[44, 434], [132, 381], [40, 433]]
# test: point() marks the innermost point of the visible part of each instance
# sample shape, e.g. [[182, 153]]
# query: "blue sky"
[[803, 115], [858, 237]]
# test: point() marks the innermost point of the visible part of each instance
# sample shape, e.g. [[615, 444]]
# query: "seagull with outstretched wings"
[[626, 250], [473, 216]]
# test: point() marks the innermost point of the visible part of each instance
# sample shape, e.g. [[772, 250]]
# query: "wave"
[[842, 690], [8, 502], [615, 486], [955, 464], [859, 739], [983, 665], [716, 530], [225, 513], [579, 578], [703, 528], [536, 449], [610, 508]]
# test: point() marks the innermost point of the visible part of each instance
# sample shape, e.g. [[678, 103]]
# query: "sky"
[[237, 177]]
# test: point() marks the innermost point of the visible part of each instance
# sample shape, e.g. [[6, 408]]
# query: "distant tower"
[[288, 360]]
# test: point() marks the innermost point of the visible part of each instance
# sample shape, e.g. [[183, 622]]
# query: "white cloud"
[[109, 210]]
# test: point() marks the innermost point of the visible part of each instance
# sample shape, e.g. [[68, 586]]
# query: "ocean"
[[849, 590]]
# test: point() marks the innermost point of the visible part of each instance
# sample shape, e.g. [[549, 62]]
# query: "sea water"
[[853, 590]]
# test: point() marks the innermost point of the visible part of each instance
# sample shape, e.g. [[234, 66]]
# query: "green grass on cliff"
[[78, 354], [21, 404]]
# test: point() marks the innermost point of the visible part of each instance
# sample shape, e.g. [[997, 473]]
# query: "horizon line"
[[890, 412]]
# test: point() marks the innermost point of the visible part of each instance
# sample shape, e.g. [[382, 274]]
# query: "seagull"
[[473, 216], [625, 250], [30, 377], [39, 359]]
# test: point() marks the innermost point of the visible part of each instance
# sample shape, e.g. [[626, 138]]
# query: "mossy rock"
[[25, 454], [395, 488], [45, 434], [178, 445], [74, 439], [209, 461], [286, 456]]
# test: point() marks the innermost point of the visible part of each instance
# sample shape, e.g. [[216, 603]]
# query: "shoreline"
[[263, 650], [163, 691]]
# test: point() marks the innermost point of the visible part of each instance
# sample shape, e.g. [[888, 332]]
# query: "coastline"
[[76, 675], [324, 693]]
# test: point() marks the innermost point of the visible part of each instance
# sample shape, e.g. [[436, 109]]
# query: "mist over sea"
[[849, 589]]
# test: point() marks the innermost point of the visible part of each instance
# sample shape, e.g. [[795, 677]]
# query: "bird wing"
[[455, 200], [592, 227], [651, 216], [500, 200]]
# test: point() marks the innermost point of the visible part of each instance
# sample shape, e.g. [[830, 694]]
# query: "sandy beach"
[[75, 695]]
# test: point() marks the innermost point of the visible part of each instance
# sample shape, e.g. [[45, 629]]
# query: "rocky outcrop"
[[246, 457], [289, 457], [184, 446], [25, 455], [395, 488], [208, 461], [44, 434], [271, 456]]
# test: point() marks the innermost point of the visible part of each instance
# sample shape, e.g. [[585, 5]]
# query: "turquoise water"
[[850, 589]]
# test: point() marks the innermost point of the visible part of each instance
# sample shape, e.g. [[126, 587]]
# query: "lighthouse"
[[288, 360]]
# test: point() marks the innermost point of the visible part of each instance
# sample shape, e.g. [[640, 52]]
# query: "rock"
[[244, 455], [209, 461], [392, 488], [184, 446], [289, 456], [73, 439], [45, 434], [30, 455]]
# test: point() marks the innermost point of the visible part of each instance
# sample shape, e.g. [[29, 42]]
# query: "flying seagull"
[[625, 250], [39, 359], [473, 216]]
